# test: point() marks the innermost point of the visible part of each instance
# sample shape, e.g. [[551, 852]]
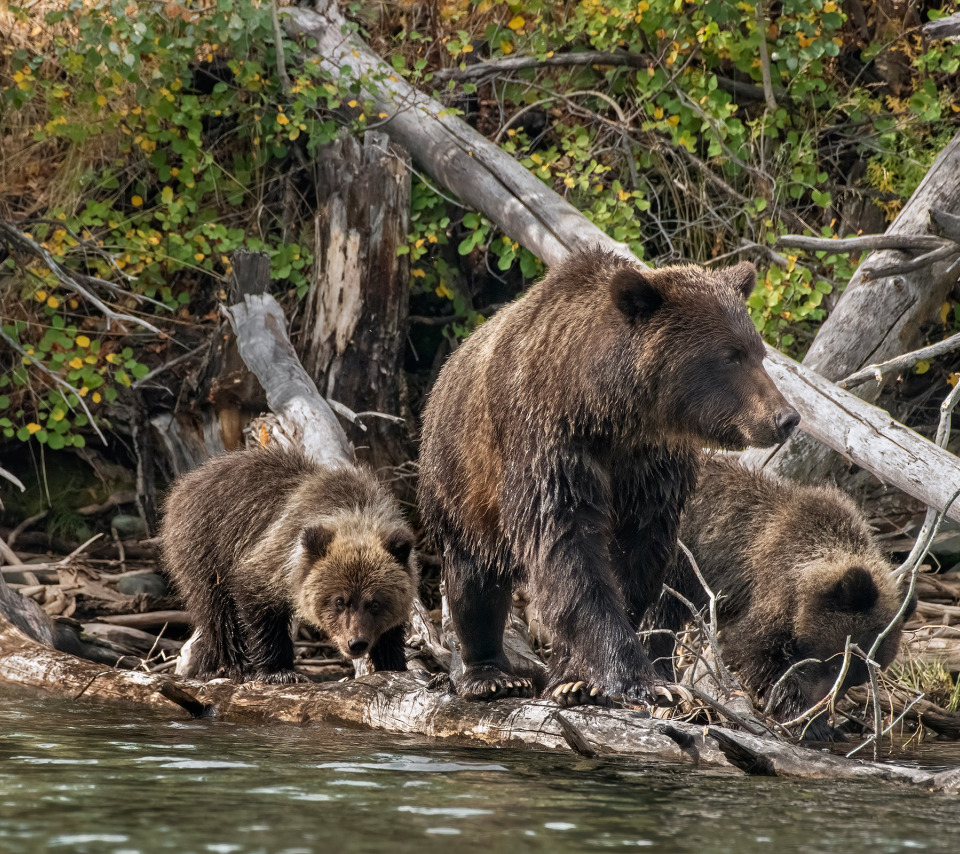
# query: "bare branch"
[[518, 63], [868, 242], [900, 363], [16, 238], [58, 380]]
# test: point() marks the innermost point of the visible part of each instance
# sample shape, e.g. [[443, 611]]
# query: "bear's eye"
[[732, 359], [373, 606], [340, 605]]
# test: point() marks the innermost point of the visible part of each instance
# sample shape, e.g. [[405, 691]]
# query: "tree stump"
[[355, 318]]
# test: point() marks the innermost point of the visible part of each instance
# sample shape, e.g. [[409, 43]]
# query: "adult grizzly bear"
[[559, 445], [254, 537], [797, 571]]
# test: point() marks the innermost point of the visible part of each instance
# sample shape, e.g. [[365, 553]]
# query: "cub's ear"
[[855, 590], [399, 544], [316, 541], [743, 277], [634, 293]]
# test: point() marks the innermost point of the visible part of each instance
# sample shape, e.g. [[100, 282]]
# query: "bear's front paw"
[[580, 693], [491, 683], [586, 692], [282, 677]]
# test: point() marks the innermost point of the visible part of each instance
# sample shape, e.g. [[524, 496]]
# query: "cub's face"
[[857, 603], [356, 584]]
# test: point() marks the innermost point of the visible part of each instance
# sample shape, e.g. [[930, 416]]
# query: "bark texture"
[[355, 319]]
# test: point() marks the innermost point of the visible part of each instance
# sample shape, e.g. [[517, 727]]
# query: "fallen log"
[[529, 211], [406, 702]]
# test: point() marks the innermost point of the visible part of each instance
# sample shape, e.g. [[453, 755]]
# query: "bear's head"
[[355, 580], [694, 346], [838, 597]]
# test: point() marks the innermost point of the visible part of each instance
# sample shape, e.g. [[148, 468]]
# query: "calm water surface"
[[90, 779]]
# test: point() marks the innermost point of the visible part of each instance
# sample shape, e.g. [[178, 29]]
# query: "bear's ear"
[[743, 277], [399, 544], [316, 541], [633, 292], [855, 591]]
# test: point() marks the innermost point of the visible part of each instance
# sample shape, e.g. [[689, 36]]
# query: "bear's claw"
[[492, 684]]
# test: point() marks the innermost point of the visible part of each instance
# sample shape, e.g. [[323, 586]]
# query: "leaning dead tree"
[[487, 178]]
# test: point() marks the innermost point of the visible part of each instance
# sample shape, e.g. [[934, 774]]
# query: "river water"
[[104, 780]]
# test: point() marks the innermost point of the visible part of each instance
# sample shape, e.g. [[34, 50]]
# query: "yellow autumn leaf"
[[82, 341], [53, 302], [417, 273], [922, 367], [33, 427], [568, 181], [96, 397], [40, 296], [83, 391], [517, 23], [673, 121], [199, 256], [57, 415], [166, 195], [76, 363], [952, 379], [944, 311], [658, 112]]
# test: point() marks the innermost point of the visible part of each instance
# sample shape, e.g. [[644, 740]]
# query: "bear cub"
[[559, 444], [255, 537], [797, 570]]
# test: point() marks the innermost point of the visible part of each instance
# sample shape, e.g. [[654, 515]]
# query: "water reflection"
[[88, 779]]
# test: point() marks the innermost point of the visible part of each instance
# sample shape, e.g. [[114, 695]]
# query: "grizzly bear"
[[559, 444], [796, 570], [255, 537]]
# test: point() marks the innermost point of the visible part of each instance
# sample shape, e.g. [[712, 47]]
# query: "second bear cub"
[[255, 537], [796, 570]]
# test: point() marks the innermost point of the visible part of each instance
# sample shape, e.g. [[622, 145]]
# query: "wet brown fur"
[[797, 569], [560, 442], [255, 537]]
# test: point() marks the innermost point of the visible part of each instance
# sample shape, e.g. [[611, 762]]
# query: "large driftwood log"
[[355, 318], [875, 320], [483, 175]]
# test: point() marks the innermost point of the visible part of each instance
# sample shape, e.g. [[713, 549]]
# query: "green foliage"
[[166, 135], [678, 155]]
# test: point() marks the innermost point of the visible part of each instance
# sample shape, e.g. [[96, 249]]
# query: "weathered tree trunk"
[[483, 175], [876, 320], [355, 318]]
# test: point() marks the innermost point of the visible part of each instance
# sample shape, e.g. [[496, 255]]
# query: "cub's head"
[[846, 596], [694, 345], [355, 581]]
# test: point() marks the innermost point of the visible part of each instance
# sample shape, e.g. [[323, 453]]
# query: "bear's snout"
[[357, 646], [785, 422]]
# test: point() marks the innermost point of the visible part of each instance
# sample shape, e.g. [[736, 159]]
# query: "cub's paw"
[[282, 677], [491, 683]]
